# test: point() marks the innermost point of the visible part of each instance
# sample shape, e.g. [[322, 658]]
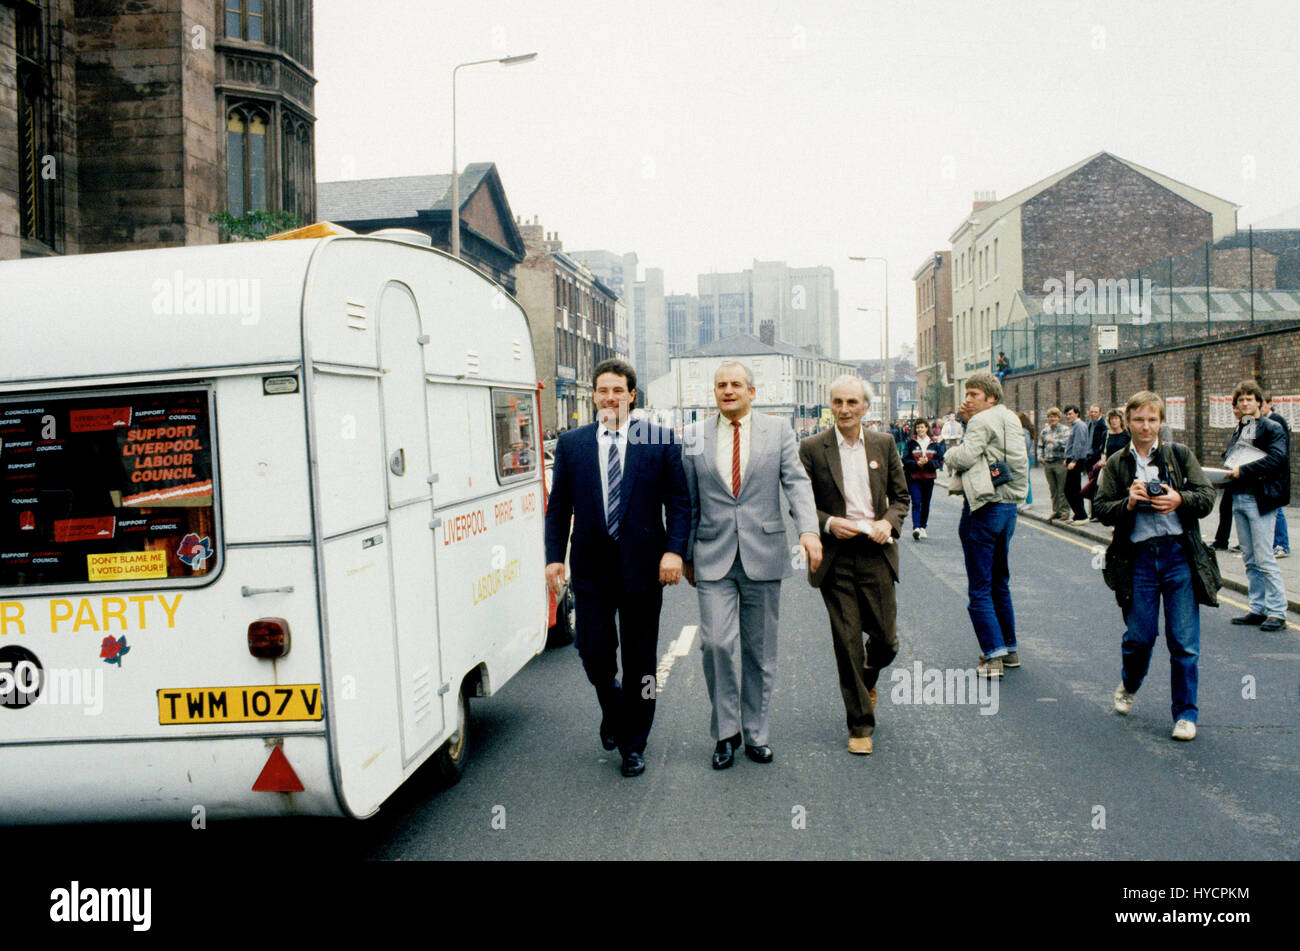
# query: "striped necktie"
[[735, 458], [615, 472]]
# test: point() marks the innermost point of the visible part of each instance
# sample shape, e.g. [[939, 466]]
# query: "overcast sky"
[[705, 135]]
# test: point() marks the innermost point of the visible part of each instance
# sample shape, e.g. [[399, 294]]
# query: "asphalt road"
[[1042, 770], [1048, 772]]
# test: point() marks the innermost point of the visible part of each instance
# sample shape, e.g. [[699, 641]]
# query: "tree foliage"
[[255, 225]]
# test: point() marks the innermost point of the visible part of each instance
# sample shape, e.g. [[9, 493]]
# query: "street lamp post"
[[889, 409], [877, 310], [455, 169]]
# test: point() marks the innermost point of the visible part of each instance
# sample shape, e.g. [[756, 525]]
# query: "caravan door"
[[410, 514]]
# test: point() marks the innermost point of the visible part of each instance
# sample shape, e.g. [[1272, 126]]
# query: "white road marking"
[[678, 648]]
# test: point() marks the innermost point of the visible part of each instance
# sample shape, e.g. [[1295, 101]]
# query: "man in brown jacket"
[[862, 498]]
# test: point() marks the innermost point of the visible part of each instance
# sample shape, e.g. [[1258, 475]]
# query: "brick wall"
[[1105, 220], [1195, 371], [1231, 268]]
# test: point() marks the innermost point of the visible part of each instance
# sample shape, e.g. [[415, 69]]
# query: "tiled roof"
[[378, 198]]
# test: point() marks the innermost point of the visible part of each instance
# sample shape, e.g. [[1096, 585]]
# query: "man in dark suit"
[[1260, 482], [617, 478], [862, 498], [1096, 444]]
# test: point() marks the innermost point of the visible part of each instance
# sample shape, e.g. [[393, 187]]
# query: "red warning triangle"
[[277, 775]]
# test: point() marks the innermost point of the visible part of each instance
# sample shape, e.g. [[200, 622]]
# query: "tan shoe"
[[872, 694], [860, 745]]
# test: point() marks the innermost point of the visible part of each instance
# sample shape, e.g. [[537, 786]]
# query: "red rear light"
[[268, 638]]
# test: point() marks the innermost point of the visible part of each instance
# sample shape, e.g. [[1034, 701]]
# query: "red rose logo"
[[112, 650]]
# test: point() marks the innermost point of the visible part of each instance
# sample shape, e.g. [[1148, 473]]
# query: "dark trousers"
[[1074, 479], [627, 712], [921, 490], [1224, 532], [859, 595]]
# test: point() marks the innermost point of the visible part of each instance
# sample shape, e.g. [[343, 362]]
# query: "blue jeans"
[[921, 490], [1280, 538], [986, 543], [1255, 533], [1161, 569]]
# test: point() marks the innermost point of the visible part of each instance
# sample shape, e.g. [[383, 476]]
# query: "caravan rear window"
[[514, 423], [107, 488]]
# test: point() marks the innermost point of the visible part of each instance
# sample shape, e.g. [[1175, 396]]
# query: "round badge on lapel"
[[874, 464]]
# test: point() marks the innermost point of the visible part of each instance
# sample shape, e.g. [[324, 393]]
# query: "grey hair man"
[[862, 497], [737, 555]]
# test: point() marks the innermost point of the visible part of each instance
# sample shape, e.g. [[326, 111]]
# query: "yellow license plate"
[[239, 704]]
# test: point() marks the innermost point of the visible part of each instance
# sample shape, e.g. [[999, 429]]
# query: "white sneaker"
[[923, 532], [916, 533], [1123, 701], [1280, 552], [1184, 730]]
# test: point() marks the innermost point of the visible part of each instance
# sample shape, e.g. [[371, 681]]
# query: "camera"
[[1153, 488]]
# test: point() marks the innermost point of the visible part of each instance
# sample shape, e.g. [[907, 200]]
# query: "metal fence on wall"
[[1243, 284]]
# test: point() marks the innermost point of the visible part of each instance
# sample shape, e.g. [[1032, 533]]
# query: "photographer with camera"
[[1155, 495]]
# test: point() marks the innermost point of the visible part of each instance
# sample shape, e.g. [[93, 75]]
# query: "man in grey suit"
[[736, 465]]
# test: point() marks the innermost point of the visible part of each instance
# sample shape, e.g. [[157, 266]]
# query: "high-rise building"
[[682, 316], [775, 302], [649, 326]]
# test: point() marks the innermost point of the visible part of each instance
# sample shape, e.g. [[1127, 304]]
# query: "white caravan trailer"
[[270, 513]]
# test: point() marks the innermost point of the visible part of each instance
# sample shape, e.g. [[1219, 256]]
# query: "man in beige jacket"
[[988, 516]]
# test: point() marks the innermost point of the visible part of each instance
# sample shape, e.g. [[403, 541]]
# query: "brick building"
[[1097, 219], [127, 126], [573, 319], [933, 280]]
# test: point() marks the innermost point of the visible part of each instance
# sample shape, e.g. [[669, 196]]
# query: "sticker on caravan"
[[21, 677], [194, 551], [113, 649], [84, 529], [98, 419], [126, 565]]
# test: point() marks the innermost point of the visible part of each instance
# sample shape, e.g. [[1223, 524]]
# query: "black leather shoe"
[[633, 764], [759, 754], [1251, 618], [1273, 624], [724, 754]]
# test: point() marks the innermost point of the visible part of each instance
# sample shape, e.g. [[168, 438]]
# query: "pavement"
[[1231, 567]]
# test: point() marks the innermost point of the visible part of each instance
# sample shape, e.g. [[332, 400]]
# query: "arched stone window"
[[246, 158], [298, 174]]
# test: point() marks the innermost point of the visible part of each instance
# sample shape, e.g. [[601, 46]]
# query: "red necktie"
[[735, 458]]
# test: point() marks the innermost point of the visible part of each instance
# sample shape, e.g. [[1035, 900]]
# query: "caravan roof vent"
[[408, 235]]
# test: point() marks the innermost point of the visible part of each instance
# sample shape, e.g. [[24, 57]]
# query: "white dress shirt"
[[857, 484], [604, 439], [725, 440]]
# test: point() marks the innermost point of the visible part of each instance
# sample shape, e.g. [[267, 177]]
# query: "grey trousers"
[[738, 614], [1055, 472]]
